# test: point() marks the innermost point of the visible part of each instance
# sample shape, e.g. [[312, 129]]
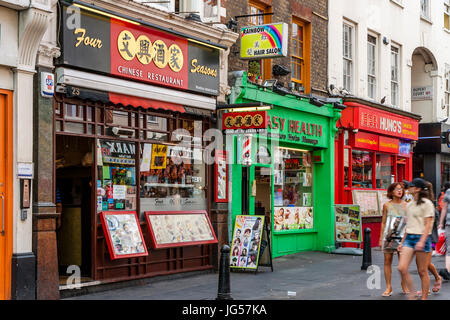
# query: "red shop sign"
[[389, 145], [366, 141], [244, 120], [377, 121], [149, 55]]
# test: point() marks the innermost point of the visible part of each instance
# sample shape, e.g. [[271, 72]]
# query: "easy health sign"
[[264, 41]]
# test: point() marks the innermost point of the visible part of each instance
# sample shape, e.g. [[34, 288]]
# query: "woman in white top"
[[417, 240]]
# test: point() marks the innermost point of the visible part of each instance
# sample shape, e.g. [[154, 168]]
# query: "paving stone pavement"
[[302, 276]]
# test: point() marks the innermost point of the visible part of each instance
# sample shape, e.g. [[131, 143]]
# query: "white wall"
[[400, 24], [8, 37]]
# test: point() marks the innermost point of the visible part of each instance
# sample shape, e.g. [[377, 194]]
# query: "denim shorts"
[[412, 239]]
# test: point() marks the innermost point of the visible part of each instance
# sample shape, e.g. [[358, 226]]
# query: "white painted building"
[[388, 49]]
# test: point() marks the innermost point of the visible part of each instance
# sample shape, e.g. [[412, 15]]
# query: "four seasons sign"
[[139, 52]]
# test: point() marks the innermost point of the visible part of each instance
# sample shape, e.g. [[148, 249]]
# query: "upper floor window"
[[371, 66], [425, 8], [447, 89], [298, 52], [395, 76], [447, 14], [166, 5], [348, 34], [259, 69]]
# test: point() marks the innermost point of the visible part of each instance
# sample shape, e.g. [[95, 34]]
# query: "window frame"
[[350, 58], [266, 64], [374, 76], [395, 82], [447, 14], [425, 14]]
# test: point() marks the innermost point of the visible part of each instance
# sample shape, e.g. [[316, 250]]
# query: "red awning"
[[144, 103]]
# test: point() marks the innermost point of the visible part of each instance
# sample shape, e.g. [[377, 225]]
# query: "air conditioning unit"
[[122, 132]]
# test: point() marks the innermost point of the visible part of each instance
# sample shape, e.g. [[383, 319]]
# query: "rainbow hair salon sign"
[[264, 41]]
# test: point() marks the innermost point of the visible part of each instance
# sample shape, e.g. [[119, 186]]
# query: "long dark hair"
[[426, 192], [446, 186]]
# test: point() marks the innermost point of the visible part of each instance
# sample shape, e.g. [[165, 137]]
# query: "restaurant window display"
[[172, 178], [293, 183], [116, 184], [362, 166], [384, 171]]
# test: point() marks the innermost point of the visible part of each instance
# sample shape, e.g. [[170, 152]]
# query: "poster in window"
[[367, 201], [246, 242], [159, 156], [348, 223], [123, 234], [179, 228], [293, 218], [221, 169]]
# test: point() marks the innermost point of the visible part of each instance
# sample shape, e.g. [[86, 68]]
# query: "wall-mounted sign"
[[138, 52], [295, 127], [422, 93], [118, 152], [390, 145], [264, 41], [239, 122], [365, 140], [378, 121], [47, 84]]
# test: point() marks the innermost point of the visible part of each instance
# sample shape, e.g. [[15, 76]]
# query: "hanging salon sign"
[[134, 51], [264, 41]]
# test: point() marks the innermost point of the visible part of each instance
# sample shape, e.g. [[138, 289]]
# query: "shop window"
[[362, 169], [384, 171], [116, 185], [346, 166], [293, 185], [445, 169], [172, 179]]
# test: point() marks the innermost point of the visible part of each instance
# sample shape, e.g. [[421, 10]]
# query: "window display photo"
[[123, 234], [175, 228], [348, 223]]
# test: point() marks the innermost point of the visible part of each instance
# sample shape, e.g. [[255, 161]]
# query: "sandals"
[[387, 294], [437, 286]]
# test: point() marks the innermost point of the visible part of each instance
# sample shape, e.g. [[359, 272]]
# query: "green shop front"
[[280, 150]]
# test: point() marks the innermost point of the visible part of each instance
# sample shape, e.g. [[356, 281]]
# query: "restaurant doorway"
[[75, 176]]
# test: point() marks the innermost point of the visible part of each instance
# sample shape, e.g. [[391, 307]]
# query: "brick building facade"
[[312, 16]]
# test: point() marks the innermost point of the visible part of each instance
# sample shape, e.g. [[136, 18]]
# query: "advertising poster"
[[175, 229], [221, 169], [123, 234], [348, 223], [146, 158], [293, 218], [246, 241], [367, 201], [159, 156]]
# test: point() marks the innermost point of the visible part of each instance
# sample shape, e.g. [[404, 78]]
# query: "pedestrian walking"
[[444, 221], [392, 209], [434, 239], [417, 240]]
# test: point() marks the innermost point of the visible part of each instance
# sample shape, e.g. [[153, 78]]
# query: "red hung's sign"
[[378, 121]]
